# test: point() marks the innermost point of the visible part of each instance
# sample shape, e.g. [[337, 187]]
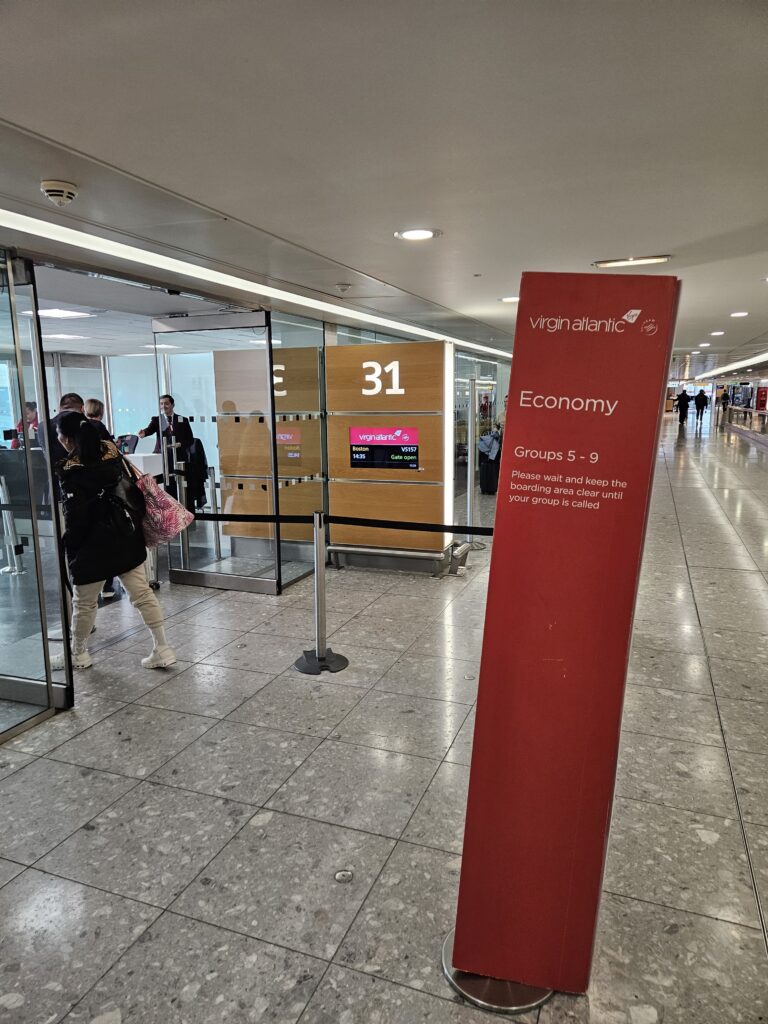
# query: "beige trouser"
[[86, 597]]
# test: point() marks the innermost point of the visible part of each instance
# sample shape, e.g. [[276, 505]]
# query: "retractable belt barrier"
[[322, 658], [382, 524]]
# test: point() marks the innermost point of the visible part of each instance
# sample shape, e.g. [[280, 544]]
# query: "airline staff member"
[[173, 427]]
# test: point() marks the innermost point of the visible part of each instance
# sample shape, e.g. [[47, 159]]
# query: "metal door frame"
[[214, 322]]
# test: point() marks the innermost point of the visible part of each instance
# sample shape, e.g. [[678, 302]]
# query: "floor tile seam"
[[294, 732], [73, 1005], [141, 778], [672, 689], [421, 696], [386, 750], [47, 753], [743, 700], [674, 807], [447, 998], [684, 910], [34, 757], [378, 876], [97, 888], [102, 810], [198, 792], [740, 817], [673, 739], [338, 824]]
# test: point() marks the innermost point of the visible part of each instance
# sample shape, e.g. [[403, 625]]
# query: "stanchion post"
[[322, 659], [180, 472], [215, 510], [471, 454]]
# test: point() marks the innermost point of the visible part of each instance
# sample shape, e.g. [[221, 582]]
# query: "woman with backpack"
[[103, 511]]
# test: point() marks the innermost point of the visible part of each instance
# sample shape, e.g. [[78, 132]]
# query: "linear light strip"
[[741, 365], [132, 254]]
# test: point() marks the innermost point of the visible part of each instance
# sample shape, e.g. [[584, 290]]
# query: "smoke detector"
[[61, 193], [343, 287]]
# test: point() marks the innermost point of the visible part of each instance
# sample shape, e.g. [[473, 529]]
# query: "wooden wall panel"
[[241, 380], [300, 372], [430, 429], [420, 377], [245, 446], [409, 502], [254, 497]]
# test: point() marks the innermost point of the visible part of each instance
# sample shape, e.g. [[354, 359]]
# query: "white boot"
[[163, 655], [80, 656]]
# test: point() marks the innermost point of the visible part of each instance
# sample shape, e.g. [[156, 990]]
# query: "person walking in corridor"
[[683, 401], [701, 402]]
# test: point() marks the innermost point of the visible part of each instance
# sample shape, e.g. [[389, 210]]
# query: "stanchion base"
[[493, 994], [311, 665]]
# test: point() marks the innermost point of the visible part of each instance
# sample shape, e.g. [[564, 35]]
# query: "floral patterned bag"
[[165, 517]]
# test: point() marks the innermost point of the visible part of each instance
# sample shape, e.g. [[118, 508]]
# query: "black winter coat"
[[96, 547]]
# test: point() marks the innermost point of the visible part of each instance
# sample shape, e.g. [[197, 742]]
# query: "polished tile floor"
[[171, 849]]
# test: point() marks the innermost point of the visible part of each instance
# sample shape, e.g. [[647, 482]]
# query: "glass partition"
[[25, 680], [222, 420]]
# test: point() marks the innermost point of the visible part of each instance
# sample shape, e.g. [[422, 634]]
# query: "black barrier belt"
[[397, 524], [382, 524]]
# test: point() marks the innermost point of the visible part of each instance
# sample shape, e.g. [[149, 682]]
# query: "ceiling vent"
[[61, 193]]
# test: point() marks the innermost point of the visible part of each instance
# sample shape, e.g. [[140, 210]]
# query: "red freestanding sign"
[[576, 471]]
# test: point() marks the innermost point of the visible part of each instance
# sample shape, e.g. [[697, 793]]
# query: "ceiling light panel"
[[630, 261]]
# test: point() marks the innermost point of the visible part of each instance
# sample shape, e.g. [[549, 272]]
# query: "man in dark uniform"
[[176, 429]]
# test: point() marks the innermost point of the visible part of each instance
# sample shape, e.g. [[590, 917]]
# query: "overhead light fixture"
[[704, 344], [630, 261], [510, 298], [64, 337], [417, 234], [138, 355], [59, 314], [161, 346], [716, 334], [696, 353], [740, 314], [87, 242], [720, 371]]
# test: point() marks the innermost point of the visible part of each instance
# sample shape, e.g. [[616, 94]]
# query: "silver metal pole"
[[107, 389], [320, 556], [184, 535], [471, 454], [215, 510], [322, 659]]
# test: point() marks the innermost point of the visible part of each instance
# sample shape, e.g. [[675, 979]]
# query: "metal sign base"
[[493, 994], [311, 665]]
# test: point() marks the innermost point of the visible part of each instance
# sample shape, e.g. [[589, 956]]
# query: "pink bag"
[[165, 517]]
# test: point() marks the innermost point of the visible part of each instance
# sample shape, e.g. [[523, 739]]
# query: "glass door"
[[26, 685], [215, 445]]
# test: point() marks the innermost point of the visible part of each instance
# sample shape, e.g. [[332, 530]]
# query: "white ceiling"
[[537, 134]]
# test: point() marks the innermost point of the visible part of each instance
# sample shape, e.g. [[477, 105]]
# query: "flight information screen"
[[384, 448]]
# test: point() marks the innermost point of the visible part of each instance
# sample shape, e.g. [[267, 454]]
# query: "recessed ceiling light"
[[630, 261], [704, 344], [59, 314], [716, 334], [161, 346], [739, 314], [138, 355], [417, 234], [510, 298], [64, 337]]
